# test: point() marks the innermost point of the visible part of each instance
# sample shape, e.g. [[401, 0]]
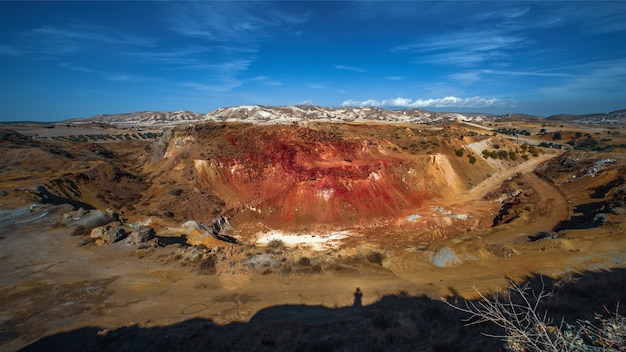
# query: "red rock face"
[[296, 178]]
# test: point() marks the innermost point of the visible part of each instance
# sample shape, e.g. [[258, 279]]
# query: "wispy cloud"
[[469, 77], [588, 15], [446, 102], [395, 78], [266, 81], [9, 50], [465, 77], [527, 73], [227, 37], [125, 77], [173, 56], [464, 48], [76, 36], [504, 13], [219, 21], [224, 85], [589, 78], [221, 77], [109, 76], [77, 68], [349, 68]]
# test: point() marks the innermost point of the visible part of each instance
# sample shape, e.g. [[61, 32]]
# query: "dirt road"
[[482, 189]]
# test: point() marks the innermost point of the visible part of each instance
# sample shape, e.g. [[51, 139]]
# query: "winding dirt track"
[[551, 208], [494, 181]]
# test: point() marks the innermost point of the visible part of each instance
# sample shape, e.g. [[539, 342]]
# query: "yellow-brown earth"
[[419, 210]]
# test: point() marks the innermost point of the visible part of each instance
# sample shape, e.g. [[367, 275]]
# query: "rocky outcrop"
[[198, 234], [88, 218], [107, 234], [140, 235], [507, 212]]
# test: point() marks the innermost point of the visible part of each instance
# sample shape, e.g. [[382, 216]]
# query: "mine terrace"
[[249, 216]]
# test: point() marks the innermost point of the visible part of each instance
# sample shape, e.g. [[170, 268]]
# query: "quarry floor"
[[52, 282]]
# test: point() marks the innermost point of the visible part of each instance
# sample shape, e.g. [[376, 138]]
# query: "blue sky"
[[61, 60]]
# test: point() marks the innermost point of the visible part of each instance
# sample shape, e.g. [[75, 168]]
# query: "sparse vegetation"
[[528, 329], [512, 131], [276, 244], [168, 185]]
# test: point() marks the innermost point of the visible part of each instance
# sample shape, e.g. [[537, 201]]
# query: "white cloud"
[[589, 78], [306, 102], [465, 48], [528, 73], [465, 77], [349, 68], [77, 68], [76, 36], [224, 85], [446, 102], [108, 76], [230, 21], [395, 78], [267, 81]]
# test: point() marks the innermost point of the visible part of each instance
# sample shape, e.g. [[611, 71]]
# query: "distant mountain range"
[[289, 114], [615, 117]]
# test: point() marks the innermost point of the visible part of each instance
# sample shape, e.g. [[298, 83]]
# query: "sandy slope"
[[50, 282]]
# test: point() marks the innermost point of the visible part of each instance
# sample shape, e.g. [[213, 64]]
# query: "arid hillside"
[[318, 177], [268, 216]]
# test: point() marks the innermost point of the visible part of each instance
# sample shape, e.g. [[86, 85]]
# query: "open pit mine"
[[120, 229]]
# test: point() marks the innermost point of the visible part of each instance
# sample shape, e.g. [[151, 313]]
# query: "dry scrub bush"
[[526, 329]]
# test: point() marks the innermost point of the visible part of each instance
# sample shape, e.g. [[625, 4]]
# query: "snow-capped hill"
[[282, 115], [613, 117], [147, 118]]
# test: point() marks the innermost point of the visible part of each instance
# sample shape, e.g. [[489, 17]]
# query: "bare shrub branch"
[[526, 329]]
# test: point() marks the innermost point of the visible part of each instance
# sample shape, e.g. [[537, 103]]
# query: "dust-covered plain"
[[238, 236]]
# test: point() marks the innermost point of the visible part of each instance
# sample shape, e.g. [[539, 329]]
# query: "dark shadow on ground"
[[398, 323], [166, 241], [48, 197], [601, 191], [586, 219]]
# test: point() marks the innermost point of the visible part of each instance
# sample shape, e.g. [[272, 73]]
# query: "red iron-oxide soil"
[[302, 179]]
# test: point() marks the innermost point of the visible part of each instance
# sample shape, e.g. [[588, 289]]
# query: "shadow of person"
[[358, 298]]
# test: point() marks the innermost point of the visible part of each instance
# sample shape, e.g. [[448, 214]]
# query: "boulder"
[[445, 257], [200, 234], [107, 234], [141, 234], [262, 262], [88, 218], [197, 233]]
